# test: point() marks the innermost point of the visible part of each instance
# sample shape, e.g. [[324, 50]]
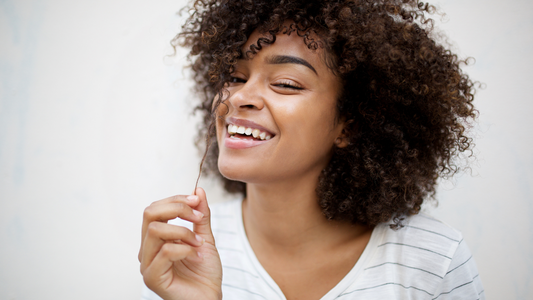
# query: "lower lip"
[[235, 143]]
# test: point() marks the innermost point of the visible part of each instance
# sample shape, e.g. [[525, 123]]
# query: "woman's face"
[[285, 96]]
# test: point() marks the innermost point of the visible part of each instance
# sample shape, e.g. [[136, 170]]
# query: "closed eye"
[[236, 80], [288, 85]]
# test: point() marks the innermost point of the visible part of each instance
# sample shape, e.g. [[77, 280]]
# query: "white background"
[[94, 126]]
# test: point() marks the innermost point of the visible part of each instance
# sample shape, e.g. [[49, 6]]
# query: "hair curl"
[[407, 101]]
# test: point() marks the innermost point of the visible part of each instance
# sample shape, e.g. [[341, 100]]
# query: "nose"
[[247, 96]]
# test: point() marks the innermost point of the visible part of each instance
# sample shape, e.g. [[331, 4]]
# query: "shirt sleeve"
[[462, 278]]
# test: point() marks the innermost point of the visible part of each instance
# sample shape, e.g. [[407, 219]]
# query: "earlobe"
[[343, 139], [342, 142]]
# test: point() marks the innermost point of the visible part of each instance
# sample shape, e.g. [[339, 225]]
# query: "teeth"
[[232, 129], [256, 133]]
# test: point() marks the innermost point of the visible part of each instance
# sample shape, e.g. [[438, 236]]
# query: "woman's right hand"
[[177, 263]]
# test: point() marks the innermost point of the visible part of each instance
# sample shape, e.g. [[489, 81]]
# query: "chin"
[[231, 171], [242, 171]]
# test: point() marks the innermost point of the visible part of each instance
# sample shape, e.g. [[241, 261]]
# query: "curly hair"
[[406, 99]]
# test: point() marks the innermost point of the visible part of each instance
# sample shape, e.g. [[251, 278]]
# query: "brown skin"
[[305, 254], [169, 258], [291, 101]]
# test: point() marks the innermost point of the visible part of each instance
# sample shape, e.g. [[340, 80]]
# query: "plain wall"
[[95, 125]]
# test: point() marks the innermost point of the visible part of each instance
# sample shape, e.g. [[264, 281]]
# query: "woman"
[[331, 121]]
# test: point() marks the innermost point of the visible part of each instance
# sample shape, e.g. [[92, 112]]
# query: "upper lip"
[[248, 123]]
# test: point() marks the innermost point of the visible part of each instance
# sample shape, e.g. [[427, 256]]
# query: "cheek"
[[309, 122], [221, 112], [221, 107]]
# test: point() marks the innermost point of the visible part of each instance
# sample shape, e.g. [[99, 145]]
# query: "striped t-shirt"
[[426, 259]]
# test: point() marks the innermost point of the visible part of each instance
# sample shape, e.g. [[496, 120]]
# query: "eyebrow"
[[286, 59]]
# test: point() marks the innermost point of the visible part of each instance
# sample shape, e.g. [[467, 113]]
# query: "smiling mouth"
[[241, 132]]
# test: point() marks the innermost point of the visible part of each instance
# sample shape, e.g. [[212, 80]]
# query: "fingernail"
[[199, 214], [192, 198], [200, 239], [199, 254]]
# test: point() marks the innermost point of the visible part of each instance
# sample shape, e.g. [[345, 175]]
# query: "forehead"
[[286, 44]]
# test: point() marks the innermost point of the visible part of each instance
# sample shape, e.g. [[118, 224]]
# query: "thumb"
[[203, 227]]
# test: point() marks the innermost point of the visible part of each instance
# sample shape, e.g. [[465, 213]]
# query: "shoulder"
[[426, 258], [423, 235], [423, 248], [451, 259]]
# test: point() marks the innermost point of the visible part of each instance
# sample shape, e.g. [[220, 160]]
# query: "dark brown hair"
[[408, 103]]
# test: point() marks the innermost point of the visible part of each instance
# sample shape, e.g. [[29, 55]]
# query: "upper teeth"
[[256, 133]]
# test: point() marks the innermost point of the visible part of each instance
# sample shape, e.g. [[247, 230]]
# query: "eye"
[[288, 85], [234, 80]]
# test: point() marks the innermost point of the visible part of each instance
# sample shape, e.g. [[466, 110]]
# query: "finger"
[[177, 198], [160, 233], [164, 211], [167, 255], [203, 226], [159, 210], [169, 211]]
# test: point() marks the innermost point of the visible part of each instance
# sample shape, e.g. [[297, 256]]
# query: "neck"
[[286, 217]]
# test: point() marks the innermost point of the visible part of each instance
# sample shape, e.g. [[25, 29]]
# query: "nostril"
[[248, 106]]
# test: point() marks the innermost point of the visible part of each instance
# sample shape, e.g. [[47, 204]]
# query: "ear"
[[343, 139]]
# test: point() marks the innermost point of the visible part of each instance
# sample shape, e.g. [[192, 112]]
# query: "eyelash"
[[236, 80], [288, 85], [281, 84]]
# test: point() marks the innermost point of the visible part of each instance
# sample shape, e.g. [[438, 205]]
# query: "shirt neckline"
[[341, 286]]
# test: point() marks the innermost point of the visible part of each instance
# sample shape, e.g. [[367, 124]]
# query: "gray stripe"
[[458, 266], [388, 283], [238, 288], [241, 270], [394, 263], [432, 232], [445, 293], [400, 244]]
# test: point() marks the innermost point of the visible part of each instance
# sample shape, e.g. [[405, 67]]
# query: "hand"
[[177, 263]]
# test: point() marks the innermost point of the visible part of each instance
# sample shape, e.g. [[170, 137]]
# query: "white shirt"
[[426, 259]]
